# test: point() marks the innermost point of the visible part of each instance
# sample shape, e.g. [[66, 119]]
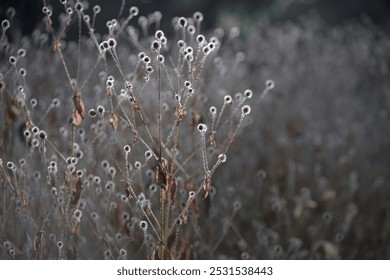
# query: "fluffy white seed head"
[[227, 99], [202, 128], [245, 110], [222, 157]]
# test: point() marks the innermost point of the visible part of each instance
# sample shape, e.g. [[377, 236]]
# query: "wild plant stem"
[[162, 223]]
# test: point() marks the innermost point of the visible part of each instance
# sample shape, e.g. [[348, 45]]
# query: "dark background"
[[225, 13]]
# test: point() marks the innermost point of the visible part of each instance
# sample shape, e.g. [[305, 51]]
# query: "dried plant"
[[120, 136]]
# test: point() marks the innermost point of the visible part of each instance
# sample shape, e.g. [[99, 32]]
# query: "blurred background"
[[226, 13]]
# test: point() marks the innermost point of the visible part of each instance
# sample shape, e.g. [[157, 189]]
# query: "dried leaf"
[[24, 198], [37, 244], [77, 192], [77, 118], [78, 113], [172, 188], [128, 191], [207, 187], [113, 120], [162, 175], [180, 112]]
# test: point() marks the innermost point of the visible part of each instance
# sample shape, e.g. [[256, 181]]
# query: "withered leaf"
[[24, 198], [78, 113], [113, 120], [77, 118], [37, 244], [162, 175], [77, 192], [172, 189], [180, 112], [207, 187], [128, 191]]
